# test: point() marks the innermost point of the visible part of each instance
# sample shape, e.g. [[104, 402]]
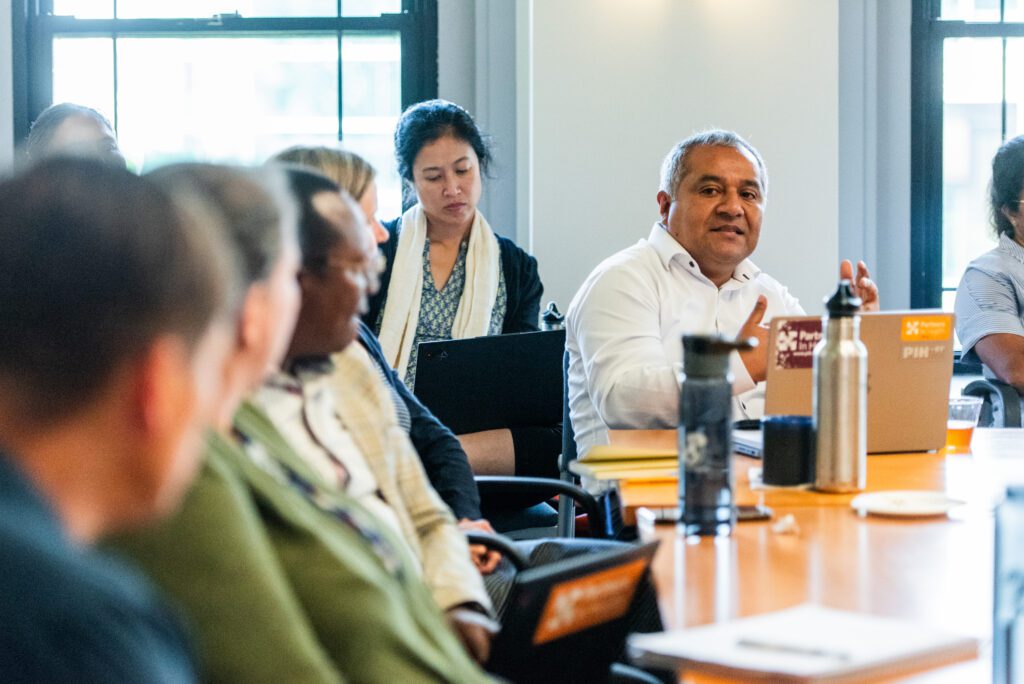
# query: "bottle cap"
[[843, 303], [707, 356], [552, 318]]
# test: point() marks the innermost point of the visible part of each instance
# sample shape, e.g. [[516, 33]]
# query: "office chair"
[[608, 520], [502, 491], [1001, 403]]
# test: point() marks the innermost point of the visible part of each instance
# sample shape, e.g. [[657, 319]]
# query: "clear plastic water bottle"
[[705, 435]]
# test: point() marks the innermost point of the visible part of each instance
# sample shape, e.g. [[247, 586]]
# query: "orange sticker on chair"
[[925, 328], [598, 598]]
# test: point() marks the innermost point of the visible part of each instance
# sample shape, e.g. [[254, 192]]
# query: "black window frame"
[[34, 27], [928, 35]]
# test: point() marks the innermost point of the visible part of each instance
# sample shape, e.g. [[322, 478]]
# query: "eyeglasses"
[[371, 268]]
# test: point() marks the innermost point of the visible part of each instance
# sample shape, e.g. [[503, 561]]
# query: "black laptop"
[[567, 621], [500, 381]]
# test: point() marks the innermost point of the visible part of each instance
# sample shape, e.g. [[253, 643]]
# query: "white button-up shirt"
[[624, 335]]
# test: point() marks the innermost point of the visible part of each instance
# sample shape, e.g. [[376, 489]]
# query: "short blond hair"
[[350, 171]]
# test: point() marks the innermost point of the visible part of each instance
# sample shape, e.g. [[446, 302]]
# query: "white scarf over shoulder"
[[402, 309]]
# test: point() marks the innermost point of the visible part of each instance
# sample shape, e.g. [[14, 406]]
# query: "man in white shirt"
[[691, 275]]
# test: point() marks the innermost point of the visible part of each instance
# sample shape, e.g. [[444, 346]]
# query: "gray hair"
[[257, 212], [673, 169]]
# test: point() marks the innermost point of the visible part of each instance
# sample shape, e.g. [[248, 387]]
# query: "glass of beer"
[[963, 417]]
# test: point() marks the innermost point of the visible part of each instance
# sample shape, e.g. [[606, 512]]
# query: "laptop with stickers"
[[910, 365]]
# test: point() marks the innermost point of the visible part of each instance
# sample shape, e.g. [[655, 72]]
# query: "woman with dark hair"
[[990, 299], [450, 276]]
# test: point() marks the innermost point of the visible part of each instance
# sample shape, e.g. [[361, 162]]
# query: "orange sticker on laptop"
[[925, 328], [595, 599]]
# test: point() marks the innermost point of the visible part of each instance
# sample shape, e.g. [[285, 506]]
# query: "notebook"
[[807, 643], [485, 383], [910, 364], [567, 620]]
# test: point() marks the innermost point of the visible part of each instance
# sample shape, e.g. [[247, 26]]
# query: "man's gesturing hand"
[[863, 286], [756, 359]]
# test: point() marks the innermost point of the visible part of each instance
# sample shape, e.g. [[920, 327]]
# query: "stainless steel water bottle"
[[705, 435], [840, 396]]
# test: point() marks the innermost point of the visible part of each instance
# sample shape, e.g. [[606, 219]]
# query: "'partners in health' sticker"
[[925, 328]]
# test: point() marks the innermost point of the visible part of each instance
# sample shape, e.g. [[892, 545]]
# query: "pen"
[[795, 649]]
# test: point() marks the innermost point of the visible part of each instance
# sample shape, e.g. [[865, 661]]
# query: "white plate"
[[905, 504]]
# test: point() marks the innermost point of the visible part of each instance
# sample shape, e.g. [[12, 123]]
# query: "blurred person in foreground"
[[990, 298], [284, 579], [112, 340]]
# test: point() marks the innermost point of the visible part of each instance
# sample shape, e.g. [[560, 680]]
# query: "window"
[[968, 92], [237, 81]]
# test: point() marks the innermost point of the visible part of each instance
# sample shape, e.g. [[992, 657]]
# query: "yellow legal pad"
[[608, 462]]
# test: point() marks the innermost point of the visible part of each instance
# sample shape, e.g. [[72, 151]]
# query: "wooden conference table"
[[935, 570]]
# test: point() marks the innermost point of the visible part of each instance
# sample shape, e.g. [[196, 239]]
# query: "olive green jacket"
[[287, 582]]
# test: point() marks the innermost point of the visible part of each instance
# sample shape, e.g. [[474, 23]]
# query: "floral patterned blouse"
[[438, 307]]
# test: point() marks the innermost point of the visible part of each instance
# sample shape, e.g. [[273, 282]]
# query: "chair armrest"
[[501, 544], [494, 484], [1002, 407]]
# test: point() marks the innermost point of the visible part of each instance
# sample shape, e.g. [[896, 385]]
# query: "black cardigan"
[[522, 283]]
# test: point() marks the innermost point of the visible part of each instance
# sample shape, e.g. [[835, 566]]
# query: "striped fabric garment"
[[990, 298]]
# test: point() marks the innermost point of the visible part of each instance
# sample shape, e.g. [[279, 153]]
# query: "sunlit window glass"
[[238, 81], [971, 10], [84, 9], [370, 8], [972, 129], [82, 73], [182, 9], [371, 104], [176, 9]]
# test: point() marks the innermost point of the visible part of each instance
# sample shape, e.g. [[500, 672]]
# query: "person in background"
[[112, 340], [990, 298], [284, 580], [448, 276], [692, 274], [352, 173], [72, 130]]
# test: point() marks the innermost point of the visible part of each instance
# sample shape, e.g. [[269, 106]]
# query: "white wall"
[[456, 51], [477, 68], [6, 90], [874, 141], [616, 84]]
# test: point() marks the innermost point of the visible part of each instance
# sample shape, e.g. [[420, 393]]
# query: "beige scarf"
[[402, 310]]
